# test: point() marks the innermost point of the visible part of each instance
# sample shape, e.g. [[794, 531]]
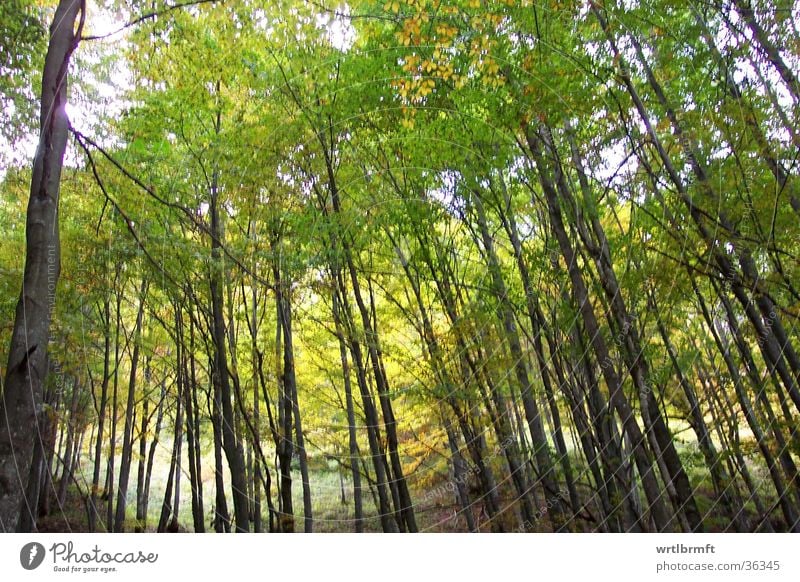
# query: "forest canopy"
[[416, 265]]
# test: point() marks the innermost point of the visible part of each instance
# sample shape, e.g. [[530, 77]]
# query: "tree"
[[27, 360]]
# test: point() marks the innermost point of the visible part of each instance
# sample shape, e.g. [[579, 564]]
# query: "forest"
[[400, 266]]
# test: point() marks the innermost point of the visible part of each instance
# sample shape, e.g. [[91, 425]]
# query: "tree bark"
[[21, 403], [105, 316], [353, 452], [127, 431], [233, 452]]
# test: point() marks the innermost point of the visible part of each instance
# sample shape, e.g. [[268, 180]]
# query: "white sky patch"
[[19, 153], [447, 193], [102, 22], [613, 163], [86, 114], [341, 33]]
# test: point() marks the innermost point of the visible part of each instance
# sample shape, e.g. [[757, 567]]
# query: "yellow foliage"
[[392, 6]]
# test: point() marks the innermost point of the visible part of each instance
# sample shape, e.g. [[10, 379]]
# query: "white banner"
[[415, 558]]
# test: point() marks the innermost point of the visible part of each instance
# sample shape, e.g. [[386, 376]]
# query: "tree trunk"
[[460, 478], [94, 513], [66, 460], [142, 462], [370, 412], [353, 452], [152, 452], [167, 507], [27, 355], [719, 477], [292, 406], [192, 436], [127, 431], [541, 449], [110, 481], [233, 452], [581, 295], [220, 510]]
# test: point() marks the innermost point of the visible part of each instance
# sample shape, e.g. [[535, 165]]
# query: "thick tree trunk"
[[22, 395], [47, 443]]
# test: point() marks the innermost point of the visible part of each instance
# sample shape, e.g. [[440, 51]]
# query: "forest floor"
[[332, 500]]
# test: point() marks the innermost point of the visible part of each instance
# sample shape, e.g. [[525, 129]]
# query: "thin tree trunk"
[[541, 449], [290, 386], [370, 412], [358, 521], [151, 454], [460, 479], [787, 508], [405, 509], [110, 480], [127, 431], [221, 516], [719, 478], [167, 507], [142, 462], [194, 442], [70, 428], [771, 52], [188, 395], [616, 396]]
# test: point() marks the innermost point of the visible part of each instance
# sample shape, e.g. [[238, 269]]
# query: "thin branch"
[[83, 140], [148, 16]]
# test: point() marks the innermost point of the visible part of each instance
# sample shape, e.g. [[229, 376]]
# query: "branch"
[[83, 140], [148, 16]]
